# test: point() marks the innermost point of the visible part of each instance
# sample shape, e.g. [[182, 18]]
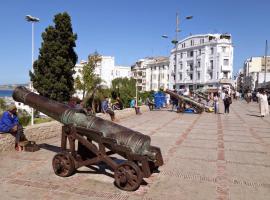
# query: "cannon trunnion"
[[89, 140]]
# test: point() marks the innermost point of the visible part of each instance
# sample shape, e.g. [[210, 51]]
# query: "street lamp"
[[175, 42], [33, 20]]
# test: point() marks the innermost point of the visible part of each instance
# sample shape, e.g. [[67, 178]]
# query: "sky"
[[128, 29]]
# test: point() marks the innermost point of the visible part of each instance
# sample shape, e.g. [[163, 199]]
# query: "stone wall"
[[39, 132]]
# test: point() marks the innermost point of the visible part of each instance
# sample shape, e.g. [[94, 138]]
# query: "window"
[[191, 42], [198, 76], [200, 52], [225, 62], [191, 54], [183, 45], [211, 64], [181, 65], [191, 76], [201, 41], [211, 75], [224, 49], [212, 50], [191, 66], [199, 64], [181, 55], [180, 76]]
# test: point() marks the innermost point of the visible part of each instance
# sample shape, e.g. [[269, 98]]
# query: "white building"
[[255, 72], [151, 73], [202, 61], [105, 69]]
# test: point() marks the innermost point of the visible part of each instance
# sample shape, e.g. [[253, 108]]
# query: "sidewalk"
[[207, 156]]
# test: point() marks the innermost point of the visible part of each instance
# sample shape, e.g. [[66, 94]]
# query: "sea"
[[6, 93]]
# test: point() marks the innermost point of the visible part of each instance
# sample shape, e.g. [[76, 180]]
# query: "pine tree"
[[54, 69]]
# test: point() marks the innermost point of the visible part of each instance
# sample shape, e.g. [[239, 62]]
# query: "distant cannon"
[[199, 108], [92, 140]]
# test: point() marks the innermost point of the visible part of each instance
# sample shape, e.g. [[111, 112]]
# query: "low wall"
[[39, 132]]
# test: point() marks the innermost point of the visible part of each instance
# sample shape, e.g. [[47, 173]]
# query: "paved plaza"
[[207, 156]]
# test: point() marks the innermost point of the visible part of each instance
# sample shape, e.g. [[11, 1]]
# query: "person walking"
[[263, 103], [227, 102], [216, 99]]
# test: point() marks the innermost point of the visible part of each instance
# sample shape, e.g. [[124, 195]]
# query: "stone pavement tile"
[[249, 193], [239, 138], [236, 133], [200, 142], [21, 192], [248, 157], [244, 146], [186, 187], [248, 174], [204, 135], [196, 153], [201, 169], [199, 130]]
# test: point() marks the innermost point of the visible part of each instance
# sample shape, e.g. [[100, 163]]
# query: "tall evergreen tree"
[[54, 69]]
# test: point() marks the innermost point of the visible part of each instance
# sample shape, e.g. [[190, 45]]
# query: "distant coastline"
[[10, 86]]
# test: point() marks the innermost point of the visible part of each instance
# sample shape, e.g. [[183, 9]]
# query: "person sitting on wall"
[[118, 105], [9, 123], [106, 109]]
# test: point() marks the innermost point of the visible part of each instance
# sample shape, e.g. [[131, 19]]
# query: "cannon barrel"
[[199, 107], [137, 142]]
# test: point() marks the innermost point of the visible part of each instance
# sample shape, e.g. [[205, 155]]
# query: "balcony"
[[225, 68]]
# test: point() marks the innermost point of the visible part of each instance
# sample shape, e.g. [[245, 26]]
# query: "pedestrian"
[[9, 123], [227, 102], [106, 109], [263, 103], [174, 101], [216, 99], [118, 105], [149, 103]]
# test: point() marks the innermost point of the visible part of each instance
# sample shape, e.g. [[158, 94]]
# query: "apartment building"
[[255, 72], [151, 73], [105, 69], [201, 61]]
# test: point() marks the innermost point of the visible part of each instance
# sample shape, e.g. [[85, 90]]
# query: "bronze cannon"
[[199, 108], [93, 140]]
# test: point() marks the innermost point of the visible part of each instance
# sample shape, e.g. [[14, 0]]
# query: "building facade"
[[255, 72], [105, 69], [151, 73], [201, 61]]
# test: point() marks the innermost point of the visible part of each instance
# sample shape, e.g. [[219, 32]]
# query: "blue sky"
[[129, 29]]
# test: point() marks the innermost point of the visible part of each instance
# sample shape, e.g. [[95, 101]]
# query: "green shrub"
[[24, 117]]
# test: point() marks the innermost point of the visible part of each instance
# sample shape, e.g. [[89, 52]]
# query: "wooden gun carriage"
[[89, 140]]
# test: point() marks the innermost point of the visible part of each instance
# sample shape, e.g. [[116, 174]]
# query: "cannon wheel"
[[128, 176], [63, 164]]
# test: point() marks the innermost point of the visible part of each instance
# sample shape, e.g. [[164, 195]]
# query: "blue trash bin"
[[160, 100]]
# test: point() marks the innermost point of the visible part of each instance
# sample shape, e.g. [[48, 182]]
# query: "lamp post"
[[175, 42], [33, 20]]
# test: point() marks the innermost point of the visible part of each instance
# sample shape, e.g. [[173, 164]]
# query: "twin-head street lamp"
[[175, 42], [33, 20]]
